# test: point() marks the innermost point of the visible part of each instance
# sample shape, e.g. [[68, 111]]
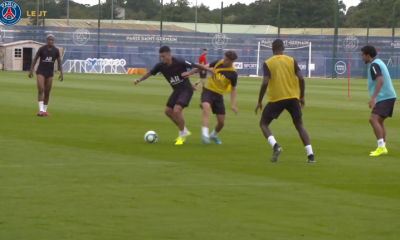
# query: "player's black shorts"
[[203, 75], [180, 97], [216, 101], [46, 75], [274, 109], [384, 108]]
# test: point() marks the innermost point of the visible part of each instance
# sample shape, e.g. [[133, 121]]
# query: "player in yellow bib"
[[223, 79], [285, 91]]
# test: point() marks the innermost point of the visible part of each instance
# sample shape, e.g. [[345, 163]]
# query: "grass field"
[[86, 172]]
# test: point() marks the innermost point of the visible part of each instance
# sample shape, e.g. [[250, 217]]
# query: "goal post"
[[258, 58], [302, 54]]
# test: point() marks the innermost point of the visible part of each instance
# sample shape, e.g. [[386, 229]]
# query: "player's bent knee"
[[373, 120], [206, 108], [261, 123], [177, 109], [298, 123], [299, 127], [221, 119], [169, 111], [264, 122], [206, 105]]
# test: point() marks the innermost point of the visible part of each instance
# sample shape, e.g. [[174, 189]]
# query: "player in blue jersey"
[[383, 96]]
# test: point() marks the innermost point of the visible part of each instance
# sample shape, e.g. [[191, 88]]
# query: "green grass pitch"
[[86, 172]]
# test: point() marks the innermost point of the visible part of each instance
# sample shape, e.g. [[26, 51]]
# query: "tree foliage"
[[294, 13]]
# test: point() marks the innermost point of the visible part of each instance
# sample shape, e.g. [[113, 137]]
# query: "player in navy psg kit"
[[172, 68], [47, 54]]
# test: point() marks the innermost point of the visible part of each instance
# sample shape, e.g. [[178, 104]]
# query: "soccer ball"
[[151, 137]]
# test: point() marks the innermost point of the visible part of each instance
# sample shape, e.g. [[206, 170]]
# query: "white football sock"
[[182, 134], [214, 134], [185, 130], [41, 106], [381, 143], [309, 150], [272, 141], [44, 108], [205, 131]]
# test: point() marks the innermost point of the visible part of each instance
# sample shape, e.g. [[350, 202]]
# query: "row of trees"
[[294, 13]]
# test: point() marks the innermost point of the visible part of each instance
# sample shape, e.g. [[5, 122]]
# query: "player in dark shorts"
[[383, 96], [223, 79], [283, 78], [172, 68], [47, 54]]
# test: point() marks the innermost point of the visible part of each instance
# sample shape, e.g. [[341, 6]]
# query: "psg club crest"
[[220, 41], [350, 43], [10, 13], [81, 36]]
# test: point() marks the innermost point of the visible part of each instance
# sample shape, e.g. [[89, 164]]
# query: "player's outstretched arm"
[[196, 70], [302, 85], [144, 77], [187, 74], [60, 68], [33, 65], [203, 67], [263, 90], [264, 86], [153, 71], [233, 100]]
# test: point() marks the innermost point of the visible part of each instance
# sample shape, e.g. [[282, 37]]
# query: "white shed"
[[18, 56]]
